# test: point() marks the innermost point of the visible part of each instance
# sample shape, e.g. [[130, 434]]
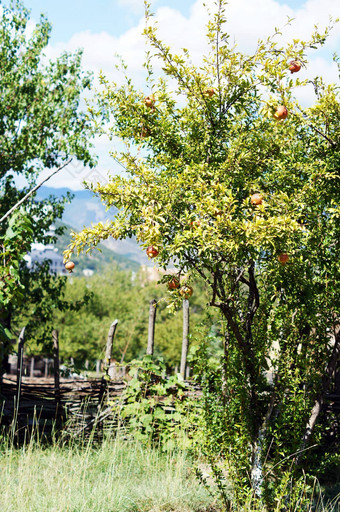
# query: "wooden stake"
[[46, 367], [55, 339], [185, 342], [20, 362], [109, 343], [97, 367], [151, 333], [32, 367]]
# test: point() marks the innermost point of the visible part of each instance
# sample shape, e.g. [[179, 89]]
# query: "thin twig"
[[289, 457], [34, 189]]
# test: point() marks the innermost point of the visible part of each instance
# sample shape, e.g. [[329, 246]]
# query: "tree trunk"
[[249, 361], [226, 342]]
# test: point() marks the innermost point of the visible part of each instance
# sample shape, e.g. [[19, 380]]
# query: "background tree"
[[41, 126], [228, 175], [123, 295]]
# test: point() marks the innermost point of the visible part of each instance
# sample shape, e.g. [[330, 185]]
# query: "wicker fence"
[[72, 408]]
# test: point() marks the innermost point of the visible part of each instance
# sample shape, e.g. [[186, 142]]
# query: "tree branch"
[[31, 192]]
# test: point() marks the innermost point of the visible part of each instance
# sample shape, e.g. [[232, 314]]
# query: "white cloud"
[[100, 50], [248, 21]]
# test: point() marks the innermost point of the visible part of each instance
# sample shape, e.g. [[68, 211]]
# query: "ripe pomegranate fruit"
[[256, 199], [69, 266], [173, 284], [294, 66], [186, 291], [150, 101], [152, 251], [281, 112], [283, 257], [145, 132], [210, 92]]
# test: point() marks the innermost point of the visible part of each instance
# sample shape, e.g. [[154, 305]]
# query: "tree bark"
[[246, 350]]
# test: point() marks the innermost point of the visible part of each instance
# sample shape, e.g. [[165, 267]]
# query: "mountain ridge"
[[85, 209]]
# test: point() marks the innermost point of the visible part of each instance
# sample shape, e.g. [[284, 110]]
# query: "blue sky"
[[112, 16]]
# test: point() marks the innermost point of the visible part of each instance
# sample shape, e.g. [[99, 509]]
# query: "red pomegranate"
[[283, 257], [281, 112], [152, 251], [173, 284], [69, 266], [256, 199], [210, 92], [186, 291], [294, 66], [150, 101]]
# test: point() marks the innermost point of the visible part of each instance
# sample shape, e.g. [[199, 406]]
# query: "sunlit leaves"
[[192, 164]]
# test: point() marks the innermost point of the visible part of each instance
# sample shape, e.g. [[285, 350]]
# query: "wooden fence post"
[[21, 342], [55, 339], [109, 343], [185, 342], [151, 332], [45, 367], [97, 366], [32, 367]]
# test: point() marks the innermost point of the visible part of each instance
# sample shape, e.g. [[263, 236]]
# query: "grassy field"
[[114, 477]]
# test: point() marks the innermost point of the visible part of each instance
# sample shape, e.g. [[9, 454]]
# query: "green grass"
[[114, 477]]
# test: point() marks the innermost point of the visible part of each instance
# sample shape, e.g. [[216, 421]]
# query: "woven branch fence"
[[44, 410]]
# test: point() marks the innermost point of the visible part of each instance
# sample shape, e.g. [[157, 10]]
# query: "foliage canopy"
[[195, 154]]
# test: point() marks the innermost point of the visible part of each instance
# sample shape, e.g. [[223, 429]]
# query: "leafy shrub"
[[158, 409]]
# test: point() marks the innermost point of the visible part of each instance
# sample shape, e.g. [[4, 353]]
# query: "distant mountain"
[[96, 260], [86, 209]]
